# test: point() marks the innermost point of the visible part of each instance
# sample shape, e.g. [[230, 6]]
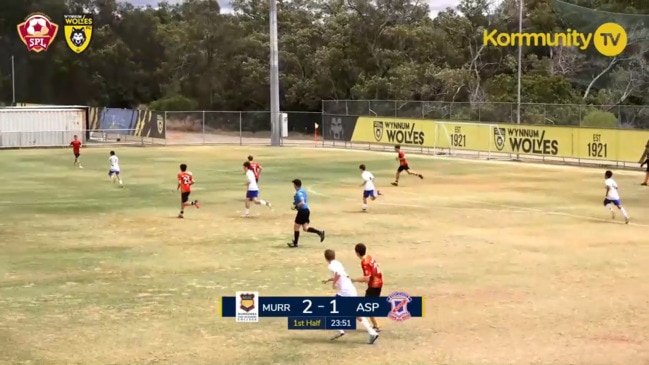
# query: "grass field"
[[520, 264]]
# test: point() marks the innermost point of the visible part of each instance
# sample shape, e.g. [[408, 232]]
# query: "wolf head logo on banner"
[[378, 131], [499, 138], [78, 31], [37, 32]]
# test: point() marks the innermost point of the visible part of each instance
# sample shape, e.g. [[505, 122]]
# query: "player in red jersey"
[[255, 167], [76, 150], [372, 275], [403, 166], [185, 182]]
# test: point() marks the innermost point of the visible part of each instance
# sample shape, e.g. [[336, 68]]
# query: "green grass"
[[520, 263]]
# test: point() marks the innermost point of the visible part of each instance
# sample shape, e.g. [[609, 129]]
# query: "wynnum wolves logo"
[[37, 32], [247, 302], [399, 302], [499, 138], [532, 141], [399, 132], [610, 39], [78, 31], [378, 131]]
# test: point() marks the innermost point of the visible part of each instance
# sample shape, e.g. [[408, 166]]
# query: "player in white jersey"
[[252, 194], [369, 189], [113, 173], [345, 288], [613, 196]]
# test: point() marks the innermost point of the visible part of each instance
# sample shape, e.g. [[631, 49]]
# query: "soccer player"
[[185, 182], [255, 167], [252, 194], [113, 172], [403, 166], [302, 218], [613, 196], [644, 160], [76, 150], [372, 275], [369, 190], [345, 288]]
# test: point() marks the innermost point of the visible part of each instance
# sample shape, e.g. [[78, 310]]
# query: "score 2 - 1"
[[309, 303], [349, 307], [596, 148]]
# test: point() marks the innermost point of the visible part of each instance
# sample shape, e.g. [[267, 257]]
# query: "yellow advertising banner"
[[568, 142], [407, 132]]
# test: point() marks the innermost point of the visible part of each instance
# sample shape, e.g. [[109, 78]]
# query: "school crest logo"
[[78, 31], [378, 131], [399, 302], [37, 32], [499, 138], [247, 302]]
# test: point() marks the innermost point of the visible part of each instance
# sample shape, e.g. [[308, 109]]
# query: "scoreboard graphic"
[[320, 313]]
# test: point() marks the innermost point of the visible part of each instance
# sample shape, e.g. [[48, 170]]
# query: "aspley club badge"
[[78, 31], [37, 32]]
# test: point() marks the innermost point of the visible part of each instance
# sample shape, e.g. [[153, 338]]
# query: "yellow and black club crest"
[[78, 31]]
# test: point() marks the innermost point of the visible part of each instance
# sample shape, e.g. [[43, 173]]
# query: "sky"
[[435, 5]]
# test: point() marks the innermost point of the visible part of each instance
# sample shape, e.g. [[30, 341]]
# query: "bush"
[[600, 119], [173, 103]]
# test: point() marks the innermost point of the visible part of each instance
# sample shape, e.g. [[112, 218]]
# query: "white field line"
[[540, 211], [403, 205], [590, 169]]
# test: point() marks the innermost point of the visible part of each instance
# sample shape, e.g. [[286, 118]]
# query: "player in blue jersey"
[[302, 218]]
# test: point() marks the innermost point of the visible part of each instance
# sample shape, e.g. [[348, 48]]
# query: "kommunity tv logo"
[[610, 39]]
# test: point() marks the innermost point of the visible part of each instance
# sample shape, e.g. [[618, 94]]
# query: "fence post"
[[203, 133], [346, 107], [241, 129], [164, 120]]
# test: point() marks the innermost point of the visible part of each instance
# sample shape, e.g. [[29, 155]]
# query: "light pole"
[[275, 122], [13, 81], [520, 61]]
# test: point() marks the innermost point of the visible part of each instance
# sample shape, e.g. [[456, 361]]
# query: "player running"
[[369, 190], [76, 150], [113, 172], [345, 288], [252, 194], [372, 275], [255, 167], [403, 166], [613, 196], [302, 218], [185, 182]]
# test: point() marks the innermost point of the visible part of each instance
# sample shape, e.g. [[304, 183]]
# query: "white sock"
[[364, 206], [342, 332], [263, 202], [610, 209], [247, 212], [624, 212], [368, 326]]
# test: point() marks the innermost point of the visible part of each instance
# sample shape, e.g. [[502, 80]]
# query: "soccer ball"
[[37, 26]]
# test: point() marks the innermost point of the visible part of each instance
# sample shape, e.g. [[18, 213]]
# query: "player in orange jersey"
[[76, 150], [255, 167], [372, 275], [185, 182], [403, 166]]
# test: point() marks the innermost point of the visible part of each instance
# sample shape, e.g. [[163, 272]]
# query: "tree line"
[[193, 56]]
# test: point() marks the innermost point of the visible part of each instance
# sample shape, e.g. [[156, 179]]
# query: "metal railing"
[[627, 116], [235, 127]]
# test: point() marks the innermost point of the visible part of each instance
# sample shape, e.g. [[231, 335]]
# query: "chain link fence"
[[619, 116]]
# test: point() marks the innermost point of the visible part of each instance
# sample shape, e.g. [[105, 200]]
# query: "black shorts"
[[373, 292], [302, 217], [76, 155], [184, 197], [403, 168], [647, 162]]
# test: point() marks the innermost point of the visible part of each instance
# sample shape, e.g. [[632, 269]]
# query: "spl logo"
[[78, 31], [37, 32]]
